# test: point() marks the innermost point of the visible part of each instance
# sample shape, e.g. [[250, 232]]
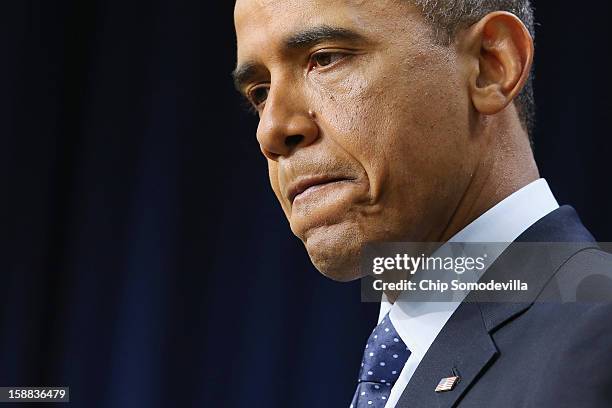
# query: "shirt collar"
[[418, 323]]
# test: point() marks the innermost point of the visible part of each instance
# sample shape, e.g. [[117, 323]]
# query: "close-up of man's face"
[[366, 121], [241, 194]]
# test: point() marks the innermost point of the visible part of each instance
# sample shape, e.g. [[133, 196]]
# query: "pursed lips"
[[302, 184]]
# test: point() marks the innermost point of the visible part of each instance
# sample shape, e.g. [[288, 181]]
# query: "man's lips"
[[301, 185]]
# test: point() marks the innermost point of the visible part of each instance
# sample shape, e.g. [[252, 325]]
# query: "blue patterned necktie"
[[383, 360]]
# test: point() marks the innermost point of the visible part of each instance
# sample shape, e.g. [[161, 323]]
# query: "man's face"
[[364, 121]]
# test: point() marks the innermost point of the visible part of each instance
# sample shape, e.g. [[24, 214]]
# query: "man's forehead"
[[265, 13], [277, 11], [263, 4], [262, 23]]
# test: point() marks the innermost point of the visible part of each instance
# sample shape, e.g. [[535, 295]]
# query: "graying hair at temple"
[[449, 16]]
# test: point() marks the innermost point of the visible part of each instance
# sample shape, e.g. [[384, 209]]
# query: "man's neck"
[[507, 165]]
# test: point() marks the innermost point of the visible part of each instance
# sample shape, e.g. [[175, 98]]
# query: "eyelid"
[[345, 53], [248, 93], [333, 50]]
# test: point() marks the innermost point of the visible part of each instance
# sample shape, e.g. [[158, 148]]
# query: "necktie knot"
[[384, 358]]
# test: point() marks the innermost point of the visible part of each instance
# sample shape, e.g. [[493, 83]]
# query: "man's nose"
[[285, 125]]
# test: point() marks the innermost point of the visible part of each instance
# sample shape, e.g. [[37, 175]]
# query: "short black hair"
[[450, 16]]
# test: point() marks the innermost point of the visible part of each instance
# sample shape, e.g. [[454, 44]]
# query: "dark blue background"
[[145, 261]]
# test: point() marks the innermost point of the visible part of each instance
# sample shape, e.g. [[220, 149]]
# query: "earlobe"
[[503, 48]]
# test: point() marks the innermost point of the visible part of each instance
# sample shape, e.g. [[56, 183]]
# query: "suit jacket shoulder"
[[553, 349]]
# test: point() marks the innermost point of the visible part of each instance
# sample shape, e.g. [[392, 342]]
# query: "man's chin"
[[335, 253]]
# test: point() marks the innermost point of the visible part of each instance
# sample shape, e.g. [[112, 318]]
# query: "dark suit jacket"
[[548, 350]]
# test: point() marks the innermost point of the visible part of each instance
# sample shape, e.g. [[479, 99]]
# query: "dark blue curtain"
[[145, 261]]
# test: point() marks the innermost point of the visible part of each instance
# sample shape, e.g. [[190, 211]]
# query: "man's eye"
[[258, 95], [323, 59]]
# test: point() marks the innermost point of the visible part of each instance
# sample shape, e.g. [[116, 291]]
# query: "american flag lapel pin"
[[448, 383]]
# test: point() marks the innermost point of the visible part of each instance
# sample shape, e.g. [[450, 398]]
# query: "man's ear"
[[502, 51]]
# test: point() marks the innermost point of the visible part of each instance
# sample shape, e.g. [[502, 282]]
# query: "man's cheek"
[[275, 184]]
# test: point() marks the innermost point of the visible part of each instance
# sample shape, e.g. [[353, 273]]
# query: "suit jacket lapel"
[[465, 346]]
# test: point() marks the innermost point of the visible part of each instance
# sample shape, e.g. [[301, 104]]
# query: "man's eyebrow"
[[309, 37], [243, 74], [314, 35]]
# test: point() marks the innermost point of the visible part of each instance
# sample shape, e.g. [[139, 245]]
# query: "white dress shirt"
[[418, 323]]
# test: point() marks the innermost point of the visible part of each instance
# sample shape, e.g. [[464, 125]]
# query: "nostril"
[[293, 141]]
